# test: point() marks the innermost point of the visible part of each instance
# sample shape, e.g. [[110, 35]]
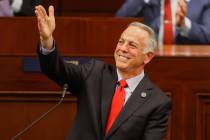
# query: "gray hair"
[[151, 42]]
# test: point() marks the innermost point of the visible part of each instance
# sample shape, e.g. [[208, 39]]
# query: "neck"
[[127, 75]]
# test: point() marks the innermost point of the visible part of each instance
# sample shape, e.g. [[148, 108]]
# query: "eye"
[[133, 45], [120, 41]]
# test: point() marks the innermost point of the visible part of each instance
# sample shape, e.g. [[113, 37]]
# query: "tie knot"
[[123, 83]]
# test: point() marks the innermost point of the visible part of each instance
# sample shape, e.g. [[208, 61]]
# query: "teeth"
[[122, 57]]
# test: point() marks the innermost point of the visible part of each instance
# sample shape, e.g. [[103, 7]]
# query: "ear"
[[148, 57]]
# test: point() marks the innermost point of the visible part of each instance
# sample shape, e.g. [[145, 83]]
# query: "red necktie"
[[168, 37], [117, 104]]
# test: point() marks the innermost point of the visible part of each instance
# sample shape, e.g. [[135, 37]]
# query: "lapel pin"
[[143, 94]]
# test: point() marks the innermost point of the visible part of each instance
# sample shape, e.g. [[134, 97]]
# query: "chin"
[[122, 66]]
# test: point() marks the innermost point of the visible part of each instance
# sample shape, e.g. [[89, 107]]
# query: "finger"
[[182, 12], [183, 6], [184, 9], [40, 17], [39, 12], [36, 13], [51, 11], [38, 20], [180, 15], [178, 10], [42, 9], [177, 20], [181, 9]]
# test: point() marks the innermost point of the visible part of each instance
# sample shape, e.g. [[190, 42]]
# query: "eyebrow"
[[130, 41], [134, 43]]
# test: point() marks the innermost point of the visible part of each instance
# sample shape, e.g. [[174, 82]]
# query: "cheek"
[[117, 48], [139, 57], [115, 53], [134, 54]]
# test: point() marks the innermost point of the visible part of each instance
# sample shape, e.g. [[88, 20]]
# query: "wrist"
[[47, 43]]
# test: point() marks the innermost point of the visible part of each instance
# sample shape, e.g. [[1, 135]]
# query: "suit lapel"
[[135, 101], [108, 88]]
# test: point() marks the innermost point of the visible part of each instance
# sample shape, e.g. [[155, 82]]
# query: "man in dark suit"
[[192, 18], [145, 108]]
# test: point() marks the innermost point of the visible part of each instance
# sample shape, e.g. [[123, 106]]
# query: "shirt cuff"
[[186, 27], [45, 51]]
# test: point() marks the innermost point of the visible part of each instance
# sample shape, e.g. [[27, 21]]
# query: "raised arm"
[[46, 25]]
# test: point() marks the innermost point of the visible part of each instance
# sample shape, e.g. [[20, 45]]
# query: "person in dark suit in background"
[[144, 110], [24, 7], [192, 18], [18, 7]]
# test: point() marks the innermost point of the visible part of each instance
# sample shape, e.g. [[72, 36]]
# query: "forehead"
[[134, 33]]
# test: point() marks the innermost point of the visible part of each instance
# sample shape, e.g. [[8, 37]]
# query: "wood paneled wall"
[[85, 7], [182, 72]]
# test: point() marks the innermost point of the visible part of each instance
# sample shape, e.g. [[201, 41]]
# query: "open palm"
[[46, 24]]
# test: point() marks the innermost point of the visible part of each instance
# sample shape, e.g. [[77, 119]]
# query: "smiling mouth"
[[123, 58]]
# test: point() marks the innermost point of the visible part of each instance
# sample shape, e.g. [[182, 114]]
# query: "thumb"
[[51, 11]]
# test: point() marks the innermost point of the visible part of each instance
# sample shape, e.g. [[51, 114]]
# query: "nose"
[[124, 47]]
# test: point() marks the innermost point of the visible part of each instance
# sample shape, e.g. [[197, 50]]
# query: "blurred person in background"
[[24, 7], [192, 20], [5, 8]]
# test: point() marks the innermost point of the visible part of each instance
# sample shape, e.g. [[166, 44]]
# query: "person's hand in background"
[[181, 12]]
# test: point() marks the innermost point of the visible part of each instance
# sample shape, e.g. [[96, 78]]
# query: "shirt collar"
[[132, 82]]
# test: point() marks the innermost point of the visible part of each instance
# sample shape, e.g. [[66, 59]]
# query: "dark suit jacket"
[[198, 12], [28, 7], [142, 118]]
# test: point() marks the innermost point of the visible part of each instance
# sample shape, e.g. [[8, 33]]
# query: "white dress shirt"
[[132, 84]]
